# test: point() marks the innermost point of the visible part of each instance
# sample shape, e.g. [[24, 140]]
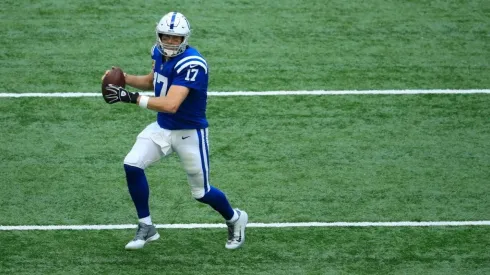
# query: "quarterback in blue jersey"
[[179, 79]]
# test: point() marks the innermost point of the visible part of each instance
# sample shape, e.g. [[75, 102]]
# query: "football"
[[115, 77]]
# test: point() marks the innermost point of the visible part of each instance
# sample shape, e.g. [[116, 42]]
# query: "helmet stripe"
[[172, 21]]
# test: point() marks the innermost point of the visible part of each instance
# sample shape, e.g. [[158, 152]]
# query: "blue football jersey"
[[187, 69]]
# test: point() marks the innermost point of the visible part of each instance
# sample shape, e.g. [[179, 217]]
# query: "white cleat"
[[144, 234], [236, 230]]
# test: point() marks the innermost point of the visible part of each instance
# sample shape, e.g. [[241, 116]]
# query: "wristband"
[[144, 101]]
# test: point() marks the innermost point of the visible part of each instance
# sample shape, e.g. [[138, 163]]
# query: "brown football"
[[116, 77]]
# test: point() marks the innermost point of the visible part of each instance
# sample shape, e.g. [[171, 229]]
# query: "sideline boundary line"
[[256, 225], [272, 93]]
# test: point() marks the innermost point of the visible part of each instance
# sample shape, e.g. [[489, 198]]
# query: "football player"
[[180, 81]]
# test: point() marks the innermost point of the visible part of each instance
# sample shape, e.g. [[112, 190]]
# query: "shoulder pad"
[[192, 61]]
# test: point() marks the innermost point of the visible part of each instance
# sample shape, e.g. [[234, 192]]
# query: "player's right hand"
[[119, 94]]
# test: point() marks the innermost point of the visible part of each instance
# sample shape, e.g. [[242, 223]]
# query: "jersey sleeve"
[[191, 72]]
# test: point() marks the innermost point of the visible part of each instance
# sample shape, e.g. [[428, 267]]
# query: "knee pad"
[[143, 154], [196, 182], [197, 193], [133, 159]]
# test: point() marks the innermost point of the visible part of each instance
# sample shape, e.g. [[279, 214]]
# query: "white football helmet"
[[173, 23]]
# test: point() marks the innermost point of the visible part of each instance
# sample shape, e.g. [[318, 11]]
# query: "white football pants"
[[191, 146]]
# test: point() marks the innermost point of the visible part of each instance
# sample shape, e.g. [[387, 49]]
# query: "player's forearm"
[[159, 104], [142, 82]]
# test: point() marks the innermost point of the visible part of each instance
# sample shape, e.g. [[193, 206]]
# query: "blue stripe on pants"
[[204, 159], [207, 148]]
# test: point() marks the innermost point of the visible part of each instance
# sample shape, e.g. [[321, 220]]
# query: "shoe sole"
[[153, 238], [150, 239]]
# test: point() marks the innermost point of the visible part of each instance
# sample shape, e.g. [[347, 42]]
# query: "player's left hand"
[[117, 93]]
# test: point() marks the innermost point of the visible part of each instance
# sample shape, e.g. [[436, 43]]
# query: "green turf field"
[[349, 158]]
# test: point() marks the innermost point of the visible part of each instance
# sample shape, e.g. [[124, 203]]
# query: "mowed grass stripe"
[[256, 225], [274, 93]]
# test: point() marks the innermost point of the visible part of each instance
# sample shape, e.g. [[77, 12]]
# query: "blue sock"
[[218, 201], [138, 189]]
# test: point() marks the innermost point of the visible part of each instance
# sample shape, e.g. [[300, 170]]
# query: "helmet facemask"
[[171, 50]]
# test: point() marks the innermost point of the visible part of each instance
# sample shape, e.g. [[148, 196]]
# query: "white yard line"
[[257, 225], [273, 93]]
